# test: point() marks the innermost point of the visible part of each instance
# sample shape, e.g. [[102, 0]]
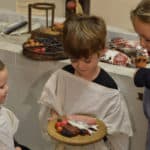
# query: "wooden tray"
[[51, 53], [43, 56], [78, 140]]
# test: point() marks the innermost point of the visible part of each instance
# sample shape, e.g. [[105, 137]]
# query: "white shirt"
[[8, 127]]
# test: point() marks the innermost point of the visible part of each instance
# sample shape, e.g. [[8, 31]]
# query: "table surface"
[[14, 43]]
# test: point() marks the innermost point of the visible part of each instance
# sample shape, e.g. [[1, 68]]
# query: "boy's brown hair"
[[84, 35], [142, 11], [2, 65]]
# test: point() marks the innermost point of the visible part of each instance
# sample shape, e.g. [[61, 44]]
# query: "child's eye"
[[1, 87], [147, 40]]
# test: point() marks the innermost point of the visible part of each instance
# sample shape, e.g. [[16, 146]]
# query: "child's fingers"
[[52, 118], [18, 148]]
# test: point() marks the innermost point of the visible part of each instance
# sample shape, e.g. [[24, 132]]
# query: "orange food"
[[59, 25], [59, 129], [141, 62]]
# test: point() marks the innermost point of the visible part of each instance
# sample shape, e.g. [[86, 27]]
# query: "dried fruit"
[[59, 129]]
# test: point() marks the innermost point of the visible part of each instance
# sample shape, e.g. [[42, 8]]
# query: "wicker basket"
[[38, 56], [52, 53]]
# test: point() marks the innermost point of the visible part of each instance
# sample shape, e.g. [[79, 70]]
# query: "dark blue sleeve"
[[142, 78]]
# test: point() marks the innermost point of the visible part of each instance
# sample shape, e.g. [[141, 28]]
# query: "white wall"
[[59, 11], [8, 4], [115, 12]]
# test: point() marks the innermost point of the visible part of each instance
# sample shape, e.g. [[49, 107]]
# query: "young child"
[[140, 18], [8, 120], [83, 87]]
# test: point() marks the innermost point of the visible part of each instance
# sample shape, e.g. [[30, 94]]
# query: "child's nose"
[[6, 88], [81, 64]]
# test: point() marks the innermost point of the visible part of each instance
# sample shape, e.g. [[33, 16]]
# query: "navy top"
[[103, 78], [142, 78]]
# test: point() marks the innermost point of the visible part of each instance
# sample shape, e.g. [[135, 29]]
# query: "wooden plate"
[[78, 140]]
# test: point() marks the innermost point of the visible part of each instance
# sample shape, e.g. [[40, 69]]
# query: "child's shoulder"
[[103, 78], [142, 77], [109, 81], [4, 109], [106, 80], [8, 115], [68, 68], [7, 111]]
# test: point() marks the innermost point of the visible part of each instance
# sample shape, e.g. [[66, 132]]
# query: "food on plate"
[[58, 26], [76, 132], [141, 61], [84, 118], [50, 31], [116, 58], [61, 123], [141, 58], [70, 131], [76, 125], [125, 52], [39, 49], [32, 43], [120, 59], [122, 44], [118, 41]]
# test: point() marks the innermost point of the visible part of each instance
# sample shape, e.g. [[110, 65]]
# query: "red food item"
[[58, 124], [42, 50], [87, 119], [61, 123], [119, 40], [64, 122], [71, 5]]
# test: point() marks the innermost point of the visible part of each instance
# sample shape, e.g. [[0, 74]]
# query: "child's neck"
[[91, 76]]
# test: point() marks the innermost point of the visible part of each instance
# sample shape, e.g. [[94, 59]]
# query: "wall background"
[[115, 13]]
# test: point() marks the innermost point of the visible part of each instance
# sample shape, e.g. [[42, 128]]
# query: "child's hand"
[[18, 148], [52, 118], [54, 115]]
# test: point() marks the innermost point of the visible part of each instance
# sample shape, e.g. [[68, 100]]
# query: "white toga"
[[69, 94], [8, 127]]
